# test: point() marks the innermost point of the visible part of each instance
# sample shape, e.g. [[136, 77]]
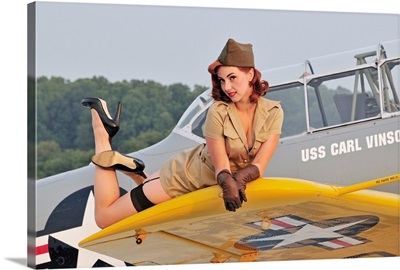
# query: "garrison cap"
[[234, 54]]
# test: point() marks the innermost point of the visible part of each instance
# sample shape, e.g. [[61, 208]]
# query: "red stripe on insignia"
[[42, 249], [342, 243], [281, 224]]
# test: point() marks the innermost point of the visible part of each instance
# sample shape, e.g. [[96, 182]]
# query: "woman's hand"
[[230, 190], [244, 176]]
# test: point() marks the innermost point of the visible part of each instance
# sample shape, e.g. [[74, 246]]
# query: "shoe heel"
[[118, 113], [114, 160]]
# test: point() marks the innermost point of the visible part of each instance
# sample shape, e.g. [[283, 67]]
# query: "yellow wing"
[[284, 219]]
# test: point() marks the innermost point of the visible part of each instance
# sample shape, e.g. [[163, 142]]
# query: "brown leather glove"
[[244, 176], [230, 190]]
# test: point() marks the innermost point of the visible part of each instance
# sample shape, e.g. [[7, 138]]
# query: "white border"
[[13, 59]]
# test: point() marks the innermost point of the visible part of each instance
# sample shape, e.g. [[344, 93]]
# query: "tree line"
[[64, 136]]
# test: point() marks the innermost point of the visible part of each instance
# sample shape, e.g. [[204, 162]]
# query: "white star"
[[72, 237], [307, 232]]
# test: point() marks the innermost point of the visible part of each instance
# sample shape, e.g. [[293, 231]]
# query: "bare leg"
[[153, 189], [109, 206], [138, 179]]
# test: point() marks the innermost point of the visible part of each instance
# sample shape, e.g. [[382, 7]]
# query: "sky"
[[283, 32], [175, 44]]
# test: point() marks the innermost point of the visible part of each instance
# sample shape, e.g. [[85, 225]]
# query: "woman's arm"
[[265, 153], [224, 178], [219, 157]]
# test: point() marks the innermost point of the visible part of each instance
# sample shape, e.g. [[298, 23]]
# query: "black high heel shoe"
[[114, 160], [110, 124]]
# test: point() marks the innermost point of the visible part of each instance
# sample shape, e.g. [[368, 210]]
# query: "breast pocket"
[[233, 144], [231, 133]]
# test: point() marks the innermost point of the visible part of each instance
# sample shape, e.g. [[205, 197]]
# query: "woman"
[[242, 131]]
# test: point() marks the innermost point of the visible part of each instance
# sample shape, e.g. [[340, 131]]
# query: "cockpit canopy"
[[323, 93]]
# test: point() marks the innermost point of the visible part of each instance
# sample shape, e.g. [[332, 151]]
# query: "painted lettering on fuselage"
[[350, 146]]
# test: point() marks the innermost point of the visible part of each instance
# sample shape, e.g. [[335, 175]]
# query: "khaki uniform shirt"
[[192, 169]]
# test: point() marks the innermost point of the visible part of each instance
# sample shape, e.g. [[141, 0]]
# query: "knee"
[[101, 220]]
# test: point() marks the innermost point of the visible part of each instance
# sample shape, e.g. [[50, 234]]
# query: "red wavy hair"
[[260, 87]]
